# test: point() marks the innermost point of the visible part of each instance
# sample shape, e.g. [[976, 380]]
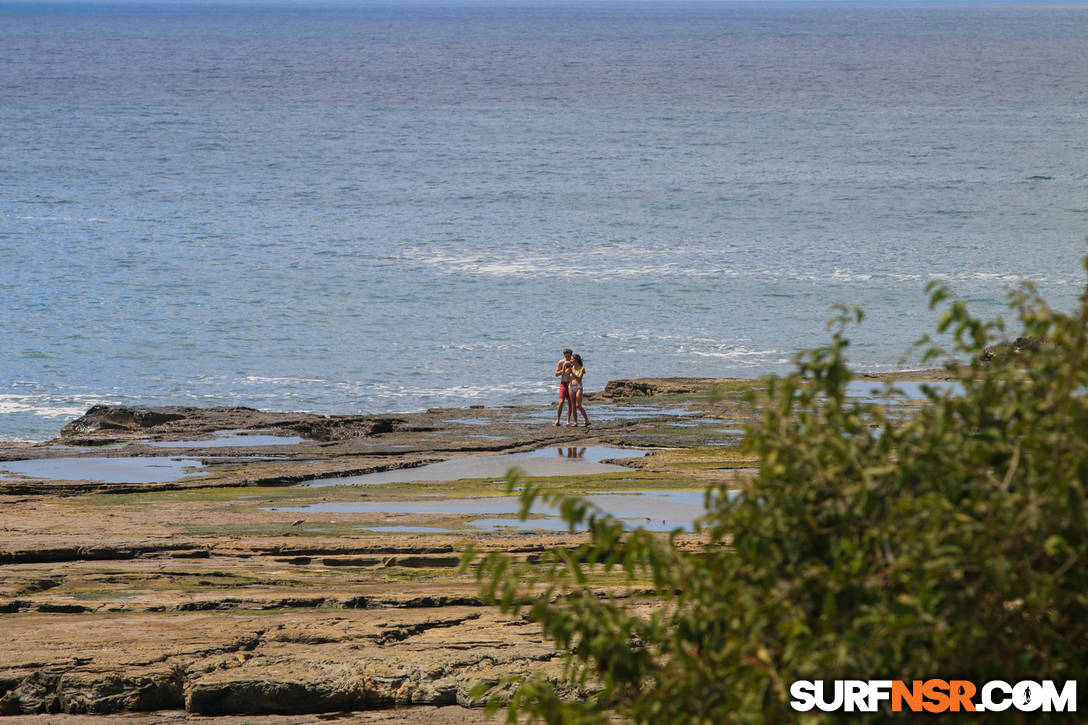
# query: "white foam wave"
[[987, 277], [478, 347], [48, 406], [465, 392], [32, 218], [263, 380], [605, 262], [618, 262], [838, 275], [739, 354]]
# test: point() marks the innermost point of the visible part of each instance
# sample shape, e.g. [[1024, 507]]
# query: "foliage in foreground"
[[945, 541]]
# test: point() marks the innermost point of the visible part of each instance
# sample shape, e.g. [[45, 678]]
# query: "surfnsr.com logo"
[[933, 696]]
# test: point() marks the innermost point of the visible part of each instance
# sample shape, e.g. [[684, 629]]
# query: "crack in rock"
[[399, 634]]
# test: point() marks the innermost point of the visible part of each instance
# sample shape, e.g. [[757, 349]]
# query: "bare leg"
[[578, 402], [559, 410]]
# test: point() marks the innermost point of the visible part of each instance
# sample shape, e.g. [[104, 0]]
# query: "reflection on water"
[[104, 470], [551, 461], [651, 510], [593, 454]]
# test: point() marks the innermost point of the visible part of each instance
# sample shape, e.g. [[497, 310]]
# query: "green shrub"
[[878, 542]]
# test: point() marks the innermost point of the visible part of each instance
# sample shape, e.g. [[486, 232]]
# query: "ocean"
[[363, 207]]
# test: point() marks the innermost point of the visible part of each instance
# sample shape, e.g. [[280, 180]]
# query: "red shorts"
[[564, 391]]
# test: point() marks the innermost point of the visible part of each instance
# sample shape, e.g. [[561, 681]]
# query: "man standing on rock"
[[562, 371]]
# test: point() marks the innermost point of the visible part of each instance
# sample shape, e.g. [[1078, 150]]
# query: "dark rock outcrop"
[[117, 417], [338, 428], [1005, 350], [627, 389], [109, 423], [643, 387]]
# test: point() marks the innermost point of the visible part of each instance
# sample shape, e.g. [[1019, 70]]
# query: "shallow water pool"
[[652, 510], [551, 461], [103, 470]]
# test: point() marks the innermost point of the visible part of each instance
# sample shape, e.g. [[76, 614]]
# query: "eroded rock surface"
[[286, 662], [106, 423], [224, 594]]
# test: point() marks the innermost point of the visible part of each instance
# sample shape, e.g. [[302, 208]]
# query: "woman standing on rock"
[[577, 372]]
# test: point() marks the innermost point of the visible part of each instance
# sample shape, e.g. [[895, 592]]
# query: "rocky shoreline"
[[234, 588]]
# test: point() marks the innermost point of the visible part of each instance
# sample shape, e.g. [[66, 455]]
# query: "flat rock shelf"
[[157, 563]]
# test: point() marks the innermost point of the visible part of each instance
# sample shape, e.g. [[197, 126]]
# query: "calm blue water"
[[364, 207]]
